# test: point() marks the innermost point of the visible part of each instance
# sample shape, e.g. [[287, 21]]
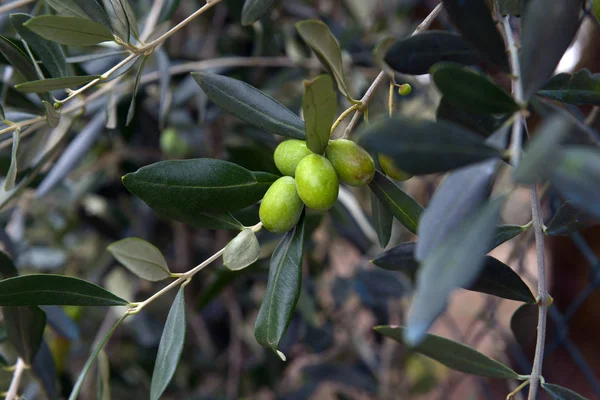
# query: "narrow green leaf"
[[44, 369], [118, 18], [319, 105], [11, 175], [48, 85], [163, 65], [131, 19], [283, 289], [196, 187], [253, 10], [2, 114], [25, 327], [560, 393], [251, 105], [242, 251], [67, 8], [7, 267], [90, 361], [49, 53], [383, 220], [52, 114], [170, 347], [504, 233], [94, 10], [453, 355], [577, 177], [136, 86], [495, 278], [103, 368], [455, 263], [542, 44], [318, 36], [579, 88], [474, 20], [70, 31], [482, 123], [461, 193], [569, 219], [415, 55], [141, 258], [424, 147], [406, 209], [472, 91], [49, 290], [19, 60]]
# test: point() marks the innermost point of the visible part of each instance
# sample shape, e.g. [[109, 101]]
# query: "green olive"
[[281, 207], [391, 169], [353, 164], [288, 154], [317, 182]]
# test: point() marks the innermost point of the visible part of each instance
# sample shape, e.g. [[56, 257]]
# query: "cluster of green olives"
[[312, 180]]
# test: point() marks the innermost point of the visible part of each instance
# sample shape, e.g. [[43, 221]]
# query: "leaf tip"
[[281, 355]]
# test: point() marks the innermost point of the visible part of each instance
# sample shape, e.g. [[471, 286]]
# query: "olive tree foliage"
[[481, 132]]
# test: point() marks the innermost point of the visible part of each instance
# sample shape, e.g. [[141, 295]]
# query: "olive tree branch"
[[543, 299], [364, 102], [12, 393]]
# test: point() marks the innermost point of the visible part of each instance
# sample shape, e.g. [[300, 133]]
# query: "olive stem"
[[364, 102], [16, 380], [343, 116]]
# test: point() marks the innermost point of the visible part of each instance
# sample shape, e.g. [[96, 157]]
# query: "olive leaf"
[[141, 258], [70, 31], [319, 105], [242, 251]]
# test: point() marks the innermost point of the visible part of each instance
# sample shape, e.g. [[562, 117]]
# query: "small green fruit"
[[391, 169], [353, 164], [288, 154], [317, 182], [281, 207]]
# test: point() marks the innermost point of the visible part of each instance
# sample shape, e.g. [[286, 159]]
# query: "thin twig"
[[364, 102], [13, 389], [13, 5]]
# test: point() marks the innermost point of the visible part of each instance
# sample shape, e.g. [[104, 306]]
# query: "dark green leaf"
[[567, 220], [542, 44], [254, 9], [118, 17], [52, 114], [523, 325], [504, 233], [577, 177], [136, 86], [318, 36], [406, 209], [7, 267], [19, 60], [170, 347], [455, 263], [452, 354], [283, 289], [579, 88], [48, 290], [495, 278], [242, 251], [483, 124], [561, 393], [510, 7], [49, 53], [131, 19], [541, 154], [25, 326], [319, 105], [141, 258], [94, 10], [2, 114], [48, 85], [196, 187], [472, 91], [71, 31], [474, 21], [383, 220], [251, 105], [44, 369], [11, 175], [67, 8], [461, 193], [424, 147], [380, 51], [415, 55]]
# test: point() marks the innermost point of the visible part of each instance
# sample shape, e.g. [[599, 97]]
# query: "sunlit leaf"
[[242, 251], [71, 31], [317, 35], [453, 355], [251, 105], [170, 347], [141, 258], [48, 85], [319, 105]]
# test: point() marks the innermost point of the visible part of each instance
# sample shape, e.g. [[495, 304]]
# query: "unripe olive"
[[288, 154], [391, 169], [317, 182], [281, 207], [353, 164]]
